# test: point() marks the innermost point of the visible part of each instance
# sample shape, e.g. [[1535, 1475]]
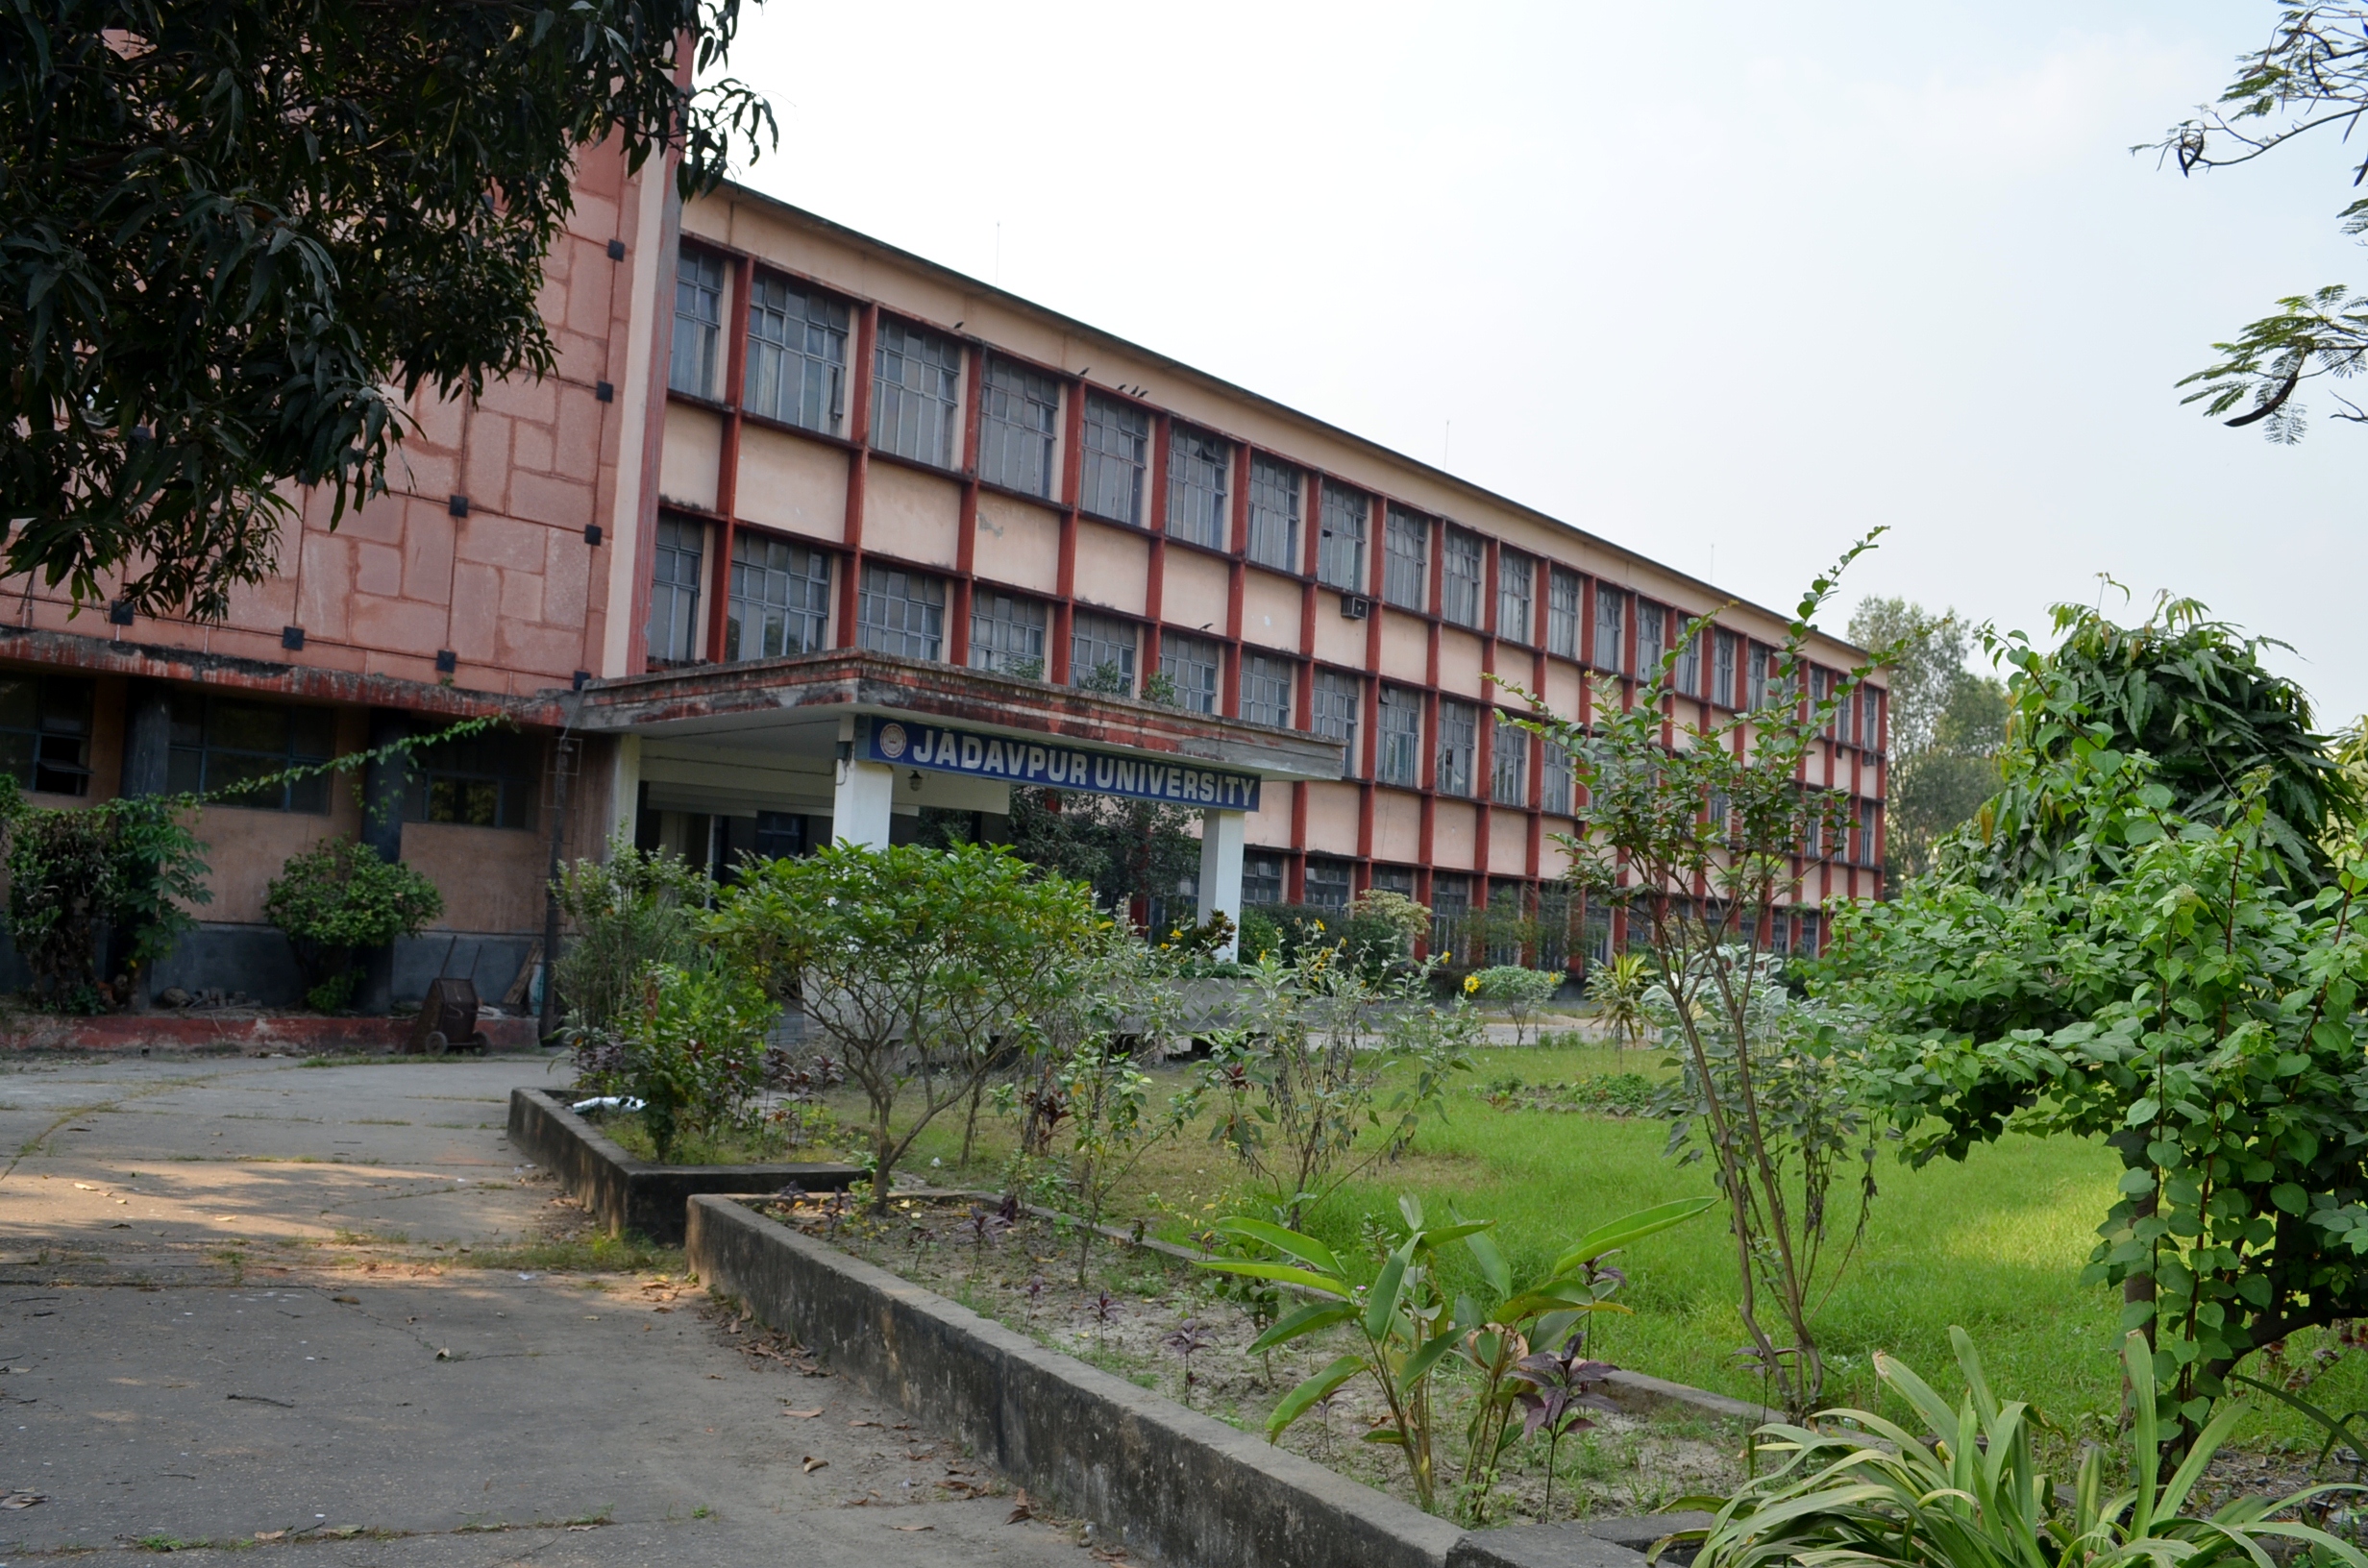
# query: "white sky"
[[1747, 279]]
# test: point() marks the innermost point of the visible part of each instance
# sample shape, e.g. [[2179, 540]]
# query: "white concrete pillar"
[[1220, 870], [624, 791], [861, 802]]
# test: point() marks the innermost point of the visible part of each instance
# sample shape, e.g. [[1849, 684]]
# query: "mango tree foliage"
[[2187, 691], [235, 235]]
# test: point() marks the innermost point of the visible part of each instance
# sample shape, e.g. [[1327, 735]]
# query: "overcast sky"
[[1730, 284]]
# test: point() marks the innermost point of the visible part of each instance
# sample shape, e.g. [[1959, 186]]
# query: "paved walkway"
[[241, 1300]]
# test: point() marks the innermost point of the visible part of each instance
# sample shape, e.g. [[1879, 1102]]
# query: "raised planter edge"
[[1151, 1474], [629, 1195]]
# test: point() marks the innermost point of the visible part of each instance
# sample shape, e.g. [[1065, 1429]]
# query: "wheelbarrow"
[[447, 1021]]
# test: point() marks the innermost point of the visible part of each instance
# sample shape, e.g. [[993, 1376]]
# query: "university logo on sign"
[[1014, 761]]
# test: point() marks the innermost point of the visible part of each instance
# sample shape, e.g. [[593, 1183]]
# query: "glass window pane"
[[699, 322], [1340, 553], [796, 366], [1192, 665], [1459, 731], [1274, 514], [1266, 689], [1463, 568], [781, 599], [1101, 653], [1562, 623], [1400, 758], [916, 391], [1118, 444], [1200, 472], [1018, 415], [1406, 560], [1007, 633], [901, 612], [1517, 577], [1610, 633]]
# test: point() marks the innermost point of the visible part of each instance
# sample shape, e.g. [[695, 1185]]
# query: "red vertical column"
[[858, 466], [1237, 534], [728, 456], [966, 537], [1064, 578], [1368, 732]]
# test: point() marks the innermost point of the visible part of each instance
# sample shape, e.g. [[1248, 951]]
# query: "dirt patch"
[[1139, 1310]]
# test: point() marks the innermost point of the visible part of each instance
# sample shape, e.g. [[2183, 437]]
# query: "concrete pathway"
[[241, 1302]]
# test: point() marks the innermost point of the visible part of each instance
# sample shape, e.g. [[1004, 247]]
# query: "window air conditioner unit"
[[1355, 607]]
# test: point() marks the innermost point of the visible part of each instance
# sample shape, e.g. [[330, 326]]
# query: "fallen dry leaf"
[[443, 1355], [863, 1423], [912, 1527], [348, 1300], [1019, 1508], [803, 1415], [813, 1464], [23, 1498], [271, 1534]]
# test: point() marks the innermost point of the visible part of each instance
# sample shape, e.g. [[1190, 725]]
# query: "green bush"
[[1519, 991], [338, 896], [130, 865], [624, 915], [692, 1055]]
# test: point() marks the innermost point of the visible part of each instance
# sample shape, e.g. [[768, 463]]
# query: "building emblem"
[[891, 741]]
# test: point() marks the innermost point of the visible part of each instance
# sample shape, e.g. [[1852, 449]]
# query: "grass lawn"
[[1995, 1245]]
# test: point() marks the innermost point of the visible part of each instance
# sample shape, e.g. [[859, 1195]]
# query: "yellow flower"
[[1471, 983]]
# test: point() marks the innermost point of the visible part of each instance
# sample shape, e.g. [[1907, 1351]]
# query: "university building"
[[805, 535]]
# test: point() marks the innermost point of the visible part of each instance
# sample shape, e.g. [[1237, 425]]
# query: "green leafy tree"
[[1724, 812], [1519, 991], [235, 235], [130, 865], [2189, 1011], [692, 1050], [1946, 724], [2309, 75], [338, 896], [2189, 692], [1127, 849], [1299, 1080], [624, 914], [915, 964]]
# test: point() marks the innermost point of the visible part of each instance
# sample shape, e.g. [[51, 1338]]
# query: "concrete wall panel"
[[686, 472], [910, 515], [1111, 567], [789, 483], [1271, 612], [1019, 545]]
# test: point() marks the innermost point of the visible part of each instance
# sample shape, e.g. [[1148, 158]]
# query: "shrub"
[[626, 913], [1618, 989], [1299, 1079], [692, 1056], [1519, 991], [915, 964], [1860, 1488], [338, 896], [130, 865]]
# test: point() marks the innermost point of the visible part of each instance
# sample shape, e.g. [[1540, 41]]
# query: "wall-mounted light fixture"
[[913, 783]]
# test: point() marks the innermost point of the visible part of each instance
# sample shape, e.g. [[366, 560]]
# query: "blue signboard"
[[1061, 766]]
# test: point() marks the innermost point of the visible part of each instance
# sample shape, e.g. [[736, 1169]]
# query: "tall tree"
[[1947, 724], [2224, 736], [2310, 75], [237, 236]]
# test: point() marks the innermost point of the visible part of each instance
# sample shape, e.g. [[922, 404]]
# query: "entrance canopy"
[[777, 755]]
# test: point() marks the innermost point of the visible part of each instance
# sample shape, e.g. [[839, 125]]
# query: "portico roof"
[[795, 704]]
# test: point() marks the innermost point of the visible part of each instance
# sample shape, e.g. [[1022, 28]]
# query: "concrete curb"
[[204, 1034], [629, 1195], [1151, 1474]]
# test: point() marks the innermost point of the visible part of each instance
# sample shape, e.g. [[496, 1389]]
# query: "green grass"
[[626, 1253], [1995, 1245]]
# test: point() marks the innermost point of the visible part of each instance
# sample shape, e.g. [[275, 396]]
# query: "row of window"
[[781, 599], [240, 752], [797, 374], [1327, 882]]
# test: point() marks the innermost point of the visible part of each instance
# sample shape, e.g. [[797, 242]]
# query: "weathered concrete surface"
[[1160, 1478], [132, 1308], [1578, 1543], [629, 1195], [235, 1033]]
